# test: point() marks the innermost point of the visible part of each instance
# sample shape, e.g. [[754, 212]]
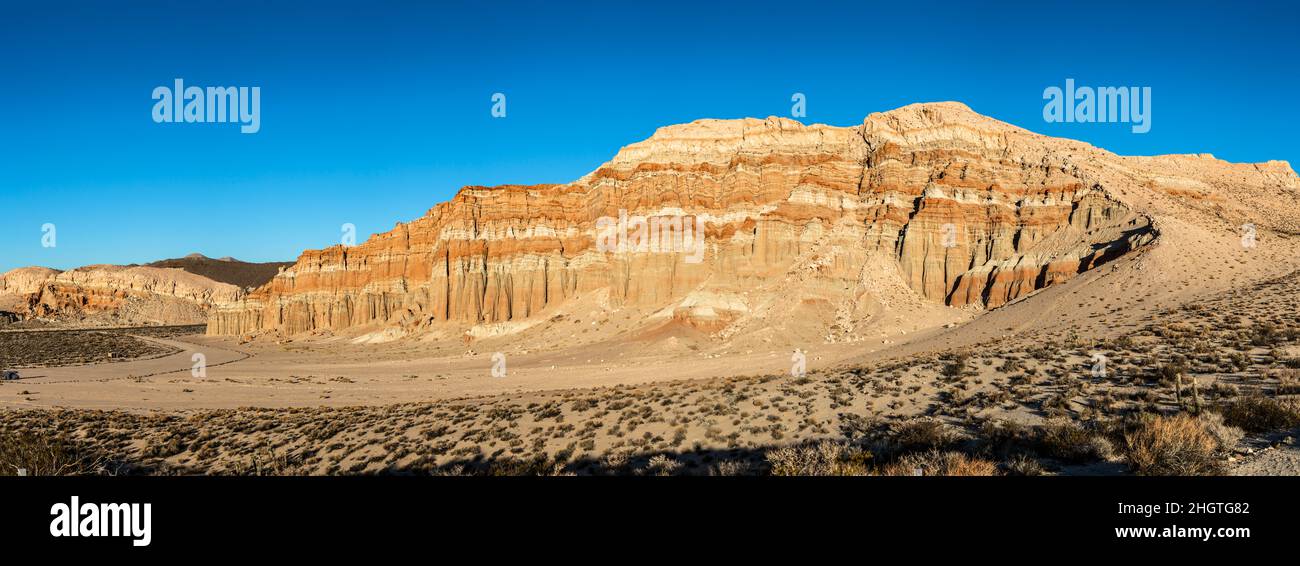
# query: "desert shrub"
[[45, 455], [859, 427], [538, 465], [1166, 374], [1178, 445], [729, 468], [1011, 365], [956, 365], [823, 458], [937, 463], [1224, 390], [1256, 413], [924, 434], [1264, 335], [1288, 381], [663, 465], [1023, 465], [1064, 439], [265, 461], [1227, 436], [1006, 437]]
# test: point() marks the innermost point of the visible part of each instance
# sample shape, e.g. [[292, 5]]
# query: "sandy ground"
[[298, 375], [1281, 461]]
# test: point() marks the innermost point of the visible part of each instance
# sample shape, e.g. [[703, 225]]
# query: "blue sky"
[[372, 112]]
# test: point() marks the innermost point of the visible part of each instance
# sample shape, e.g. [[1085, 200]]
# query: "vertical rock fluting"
[[973, 211]]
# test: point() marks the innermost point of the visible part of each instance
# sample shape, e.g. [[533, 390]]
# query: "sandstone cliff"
[[112, 294], [953, 207]]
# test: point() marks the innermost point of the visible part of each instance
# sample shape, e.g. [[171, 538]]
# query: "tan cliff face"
[[948, 206], [111, 293]]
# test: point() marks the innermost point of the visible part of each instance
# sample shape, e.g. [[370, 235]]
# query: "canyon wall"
[[963, 209]]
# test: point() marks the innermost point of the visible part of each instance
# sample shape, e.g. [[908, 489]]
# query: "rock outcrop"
[[959, 208], [112, 294]]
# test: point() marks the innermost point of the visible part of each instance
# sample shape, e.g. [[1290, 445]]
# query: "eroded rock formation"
[[108, 294], [961, 208]]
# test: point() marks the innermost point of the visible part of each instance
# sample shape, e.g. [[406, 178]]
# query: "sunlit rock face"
[[134, 294], [961, 208]]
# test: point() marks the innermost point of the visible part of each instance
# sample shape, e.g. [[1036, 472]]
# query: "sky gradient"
[[372, 113]]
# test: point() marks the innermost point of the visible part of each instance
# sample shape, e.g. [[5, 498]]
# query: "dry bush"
[[924, 434], [1004, 437], [663, 465], [1227, 436], [1256, 413], [45, 455], [1023, 465], [1064, 439], [1179, 445], [1288, 381], [265, 461], [729, 468], [936, 463], [823, 458]]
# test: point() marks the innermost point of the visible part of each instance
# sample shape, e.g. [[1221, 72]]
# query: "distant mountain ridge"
[[241, 274]]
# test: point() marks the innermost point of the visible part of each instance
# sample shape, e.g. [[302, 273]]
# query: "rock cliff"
[[958, 208], [112, 294]]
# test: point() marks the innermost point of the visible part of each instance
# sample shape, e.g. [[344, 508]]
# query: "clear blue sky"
[[372, 112]]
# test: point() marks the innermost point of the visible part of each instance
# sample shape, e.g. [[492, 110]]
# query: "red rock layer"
[[974, 211]]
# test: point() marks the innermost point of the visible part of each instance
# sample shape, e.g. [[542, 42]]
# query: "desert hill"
[[923, 216], [113, 295], [170, 291], [225, 270]]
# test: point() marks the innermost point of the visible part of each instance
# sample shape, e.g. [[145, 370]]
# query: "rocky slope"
[[826, 227], [99, 295]]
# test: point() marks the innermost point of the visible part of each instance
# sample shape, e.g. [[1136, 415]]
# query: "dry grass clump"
[[1067, 440], [936, 463], [1256, 413], [827, 458], [924, 434], [1226, 435], [823, 458], [45, 455], [1023, 465], [1288, 380], [729, 468], [1179, 445]]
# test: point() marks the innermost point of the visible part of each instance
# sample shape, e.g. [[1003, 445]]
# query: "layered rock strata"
[[964, 209], [132, 294]]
